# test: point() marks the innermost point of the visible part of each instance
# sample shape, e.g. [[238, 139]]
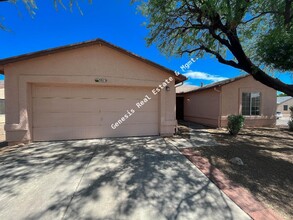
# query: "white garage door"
[[84, 112]]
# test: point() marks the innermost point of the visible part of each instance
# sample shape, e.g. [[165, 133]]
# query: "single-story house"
[[283, 105], [212, 104], [87, 90]]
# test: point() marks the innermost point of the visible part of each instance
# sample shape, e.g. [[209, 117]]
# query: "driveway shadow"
[[123, 178]]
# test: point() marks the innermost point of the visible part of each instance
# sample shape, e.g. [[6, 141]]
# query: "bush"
[[235, 123], [290, 123]]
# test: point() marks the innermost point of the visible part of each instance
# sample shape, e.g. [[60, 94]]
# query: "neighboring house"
[[283, 105], [210, 105], [2, 98], [87, 90]]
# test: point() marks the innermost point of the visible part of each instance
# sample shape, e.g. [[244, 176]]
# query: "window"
[[285, 107], [251, 103]]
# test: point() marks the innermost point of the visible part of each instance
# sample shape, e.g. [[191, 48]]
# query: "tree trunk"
[[258, 74], [267, 80], [287, 14], [273, 83]]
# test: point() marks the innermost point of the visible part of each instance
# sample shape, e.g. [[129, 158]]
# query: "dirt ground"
[[268, 157]]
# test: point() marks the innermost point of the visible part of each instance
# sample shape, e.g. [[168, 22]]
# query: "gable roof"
[[98, 41], [282, 99], [219, 84], [185, 88]]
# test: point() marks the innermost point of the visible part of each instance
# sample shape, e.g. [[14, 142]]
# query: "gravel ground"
[[268, 157]]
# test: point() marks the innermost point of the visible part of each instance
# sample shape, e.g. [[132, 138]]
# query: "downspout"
[[220, 106]]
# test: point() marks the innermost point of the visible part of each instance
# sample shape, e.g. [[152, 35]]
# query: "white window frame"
[[250, 105]]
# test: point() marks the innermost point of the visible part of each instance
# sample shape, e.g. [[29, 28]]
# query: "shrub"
[[235, 123], [290, 123]]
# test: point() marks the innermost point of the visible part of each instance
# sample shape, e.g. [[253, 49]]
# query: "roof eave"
[[3, 62], [203, 88], [284, 101], [179, 79], [225, 82]]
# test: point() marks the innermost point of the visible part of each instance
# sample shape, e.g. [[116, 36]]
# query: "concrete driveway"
[[124, 178]]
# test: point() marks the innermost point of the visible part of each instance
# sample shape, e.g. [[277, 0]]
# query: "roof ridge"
[[220, 83], [179, 78]]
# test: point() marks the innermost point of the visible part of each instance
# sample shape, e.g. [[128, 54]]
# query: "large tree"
[[232, 31], [31, 5]]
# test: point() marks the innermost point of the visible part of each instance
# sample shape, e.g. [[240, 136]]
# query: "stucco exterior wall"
[[232, 102], [202, 107], [80, 67], [280, 107]]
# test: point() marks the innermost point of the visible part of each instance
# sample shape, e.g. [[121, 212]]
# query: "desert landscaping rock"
[[237, 161]]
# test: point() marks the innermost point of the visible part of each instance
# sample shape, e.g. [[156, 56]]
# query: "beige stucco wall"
[[202, 107], [232, 102], [80, 67], [280, 107], [212, 106]]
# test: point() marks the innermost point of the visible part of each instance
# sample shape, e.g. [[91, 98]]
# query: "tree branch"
[[190, 51], [287, 14], [220, 58], [259, 15], [217, 37]]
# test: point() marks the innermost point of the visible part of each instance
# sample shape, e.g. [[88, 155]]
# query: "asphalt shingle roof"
[[185, 88], [282, 99], [220, 83]]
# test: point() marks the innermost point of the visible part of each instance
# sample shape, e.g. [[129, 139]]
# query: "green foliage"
[[281, 95], [221, 29], [290, 123], [235, 123], [179, 25], [276, 49], [31, 6]]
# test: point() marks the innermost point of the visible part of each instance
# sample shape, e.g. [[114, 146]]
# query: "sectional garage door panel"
[[73, 112], [90, 119], [89, 132]]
